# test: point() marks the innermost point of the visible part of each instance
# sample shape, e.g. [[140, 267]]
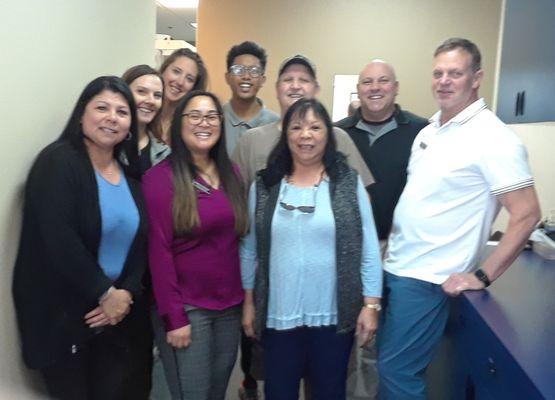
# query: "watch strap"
[[374, 306], [481, 275]]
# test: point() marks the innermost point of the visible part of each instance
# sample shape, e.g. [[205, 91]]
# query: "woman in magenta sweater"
[[197, 213]]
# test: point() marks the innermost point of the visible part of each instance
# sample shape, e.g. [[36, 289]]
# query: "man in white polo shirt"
[[463, 167]]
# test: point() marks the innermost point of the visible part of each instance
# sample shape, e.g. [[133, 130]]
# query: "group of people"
[[160, 214]]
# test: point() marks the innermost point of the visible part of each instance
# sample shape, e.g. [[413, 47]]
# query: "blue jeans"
[[202, 369], [411, 327], [319, 354]]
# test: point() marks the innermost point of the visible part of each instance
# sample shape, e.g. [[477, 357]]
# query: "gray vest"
[[348, 234]]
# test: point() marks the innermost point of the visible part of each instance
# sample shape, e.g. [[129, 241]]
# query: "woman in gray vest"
[[310, 264]]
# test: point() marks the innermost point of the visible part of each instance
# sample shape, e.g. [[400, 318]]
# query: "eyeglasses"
[[196, 118], [303, 209], [239, 70]]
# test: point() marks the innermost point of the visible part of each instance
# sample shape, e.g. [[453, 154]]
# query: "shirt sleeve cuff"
[[175, 320], [369, 293]]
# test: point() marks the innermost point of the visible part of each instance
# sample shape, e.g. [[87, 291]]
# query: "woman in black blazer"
[[77, 278]]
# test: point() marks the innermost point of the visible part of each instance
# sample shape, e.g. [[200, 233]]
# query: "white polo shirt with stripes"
[[444, 216]]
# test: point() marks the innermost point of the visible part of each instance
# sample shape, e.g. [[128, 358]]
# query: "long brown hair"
[[136, 72], [202, 77], [185, 206]]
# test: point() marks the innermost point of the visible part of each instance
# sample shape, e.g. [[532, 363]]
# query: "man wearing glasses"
[[246, 63]]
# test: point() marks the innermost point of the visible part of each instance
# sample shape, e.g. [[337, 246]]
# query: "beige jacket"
[[253, 148]]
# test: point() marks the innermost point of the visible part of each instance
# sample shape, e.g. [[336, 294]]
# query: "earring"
[[129, 136]]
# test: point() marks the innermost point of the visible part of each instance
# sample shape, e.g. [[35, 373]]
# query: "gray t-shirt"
[[375, 131], [235, 127]]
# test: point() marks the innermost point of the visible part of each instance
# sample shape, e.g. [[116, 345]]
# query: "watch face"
[[376, 307]]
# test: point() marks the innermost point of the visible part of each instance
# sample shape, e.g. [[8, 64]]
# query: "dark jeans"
[[319, 354], [96, 372], [115, 364], [138, 379]]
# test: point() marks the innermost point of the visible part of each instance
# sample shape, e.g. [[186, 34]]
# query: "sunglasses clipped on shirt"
[[302, 209]]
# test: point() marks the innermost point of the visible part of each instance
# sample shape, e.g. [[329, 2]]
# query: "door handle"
[[522, 101], [517, 104]]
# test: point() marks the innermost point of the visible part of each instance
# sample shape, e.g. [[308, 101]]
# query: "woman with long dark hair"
[[311, 261], [197, 213], [77, 278]]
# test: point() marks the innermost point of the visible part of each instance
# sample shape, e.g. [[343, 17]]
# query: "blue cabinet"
[[527, 67], [506, 333]]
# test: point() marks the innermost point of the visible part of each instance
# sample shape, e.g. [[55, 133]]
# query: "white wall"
[[49, 51], [539, 140]]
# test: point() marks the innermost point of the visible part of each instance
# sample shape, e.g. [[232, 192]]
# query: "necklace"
[[109, 172], [304, 209], [111, 168], [210, 175], [289, 178]]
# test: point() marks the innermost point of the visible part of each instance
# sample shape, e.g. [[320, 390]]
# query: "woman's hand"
[[96, 318], [116, 304], [180, 337], [367, 324], [248, 314]]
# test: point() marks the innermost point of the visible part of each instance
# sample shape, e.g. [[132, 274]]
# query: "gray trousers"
[[201, 371], [362, 376]]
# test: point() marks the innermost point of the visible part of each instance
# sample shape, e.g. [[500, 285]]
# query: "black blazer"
[[57, 279]]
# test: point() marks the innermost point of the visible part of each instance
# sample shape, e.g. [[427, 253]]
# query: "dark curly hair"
[[247, 48]]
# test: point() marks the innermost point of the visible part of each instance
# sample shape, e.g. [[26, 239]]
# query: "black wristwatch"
[[481, 275]]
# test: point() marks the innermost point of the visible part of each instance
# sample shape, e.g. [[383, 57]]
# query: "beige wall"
[[538, 139], [341, 36], [50, 50]]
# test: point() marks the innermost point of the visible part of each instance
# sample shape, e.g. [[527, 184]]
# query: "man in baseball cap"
[[296, 80]]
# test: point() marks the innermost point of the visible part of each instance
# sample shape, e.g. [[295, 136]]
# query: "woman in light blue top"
[[77, 279], [310, 264]]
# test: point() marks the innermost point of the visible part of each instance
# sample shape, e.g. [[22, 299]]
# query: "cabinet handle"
[[517, 104], [522, 102], [492, 369]]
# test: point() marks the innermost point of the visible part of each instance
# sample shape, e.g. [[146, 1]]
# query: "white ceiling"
[[176, 22]]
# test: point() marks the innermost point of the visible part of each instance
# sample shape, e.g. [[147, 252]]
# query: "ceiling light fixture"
[[178, 3]]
